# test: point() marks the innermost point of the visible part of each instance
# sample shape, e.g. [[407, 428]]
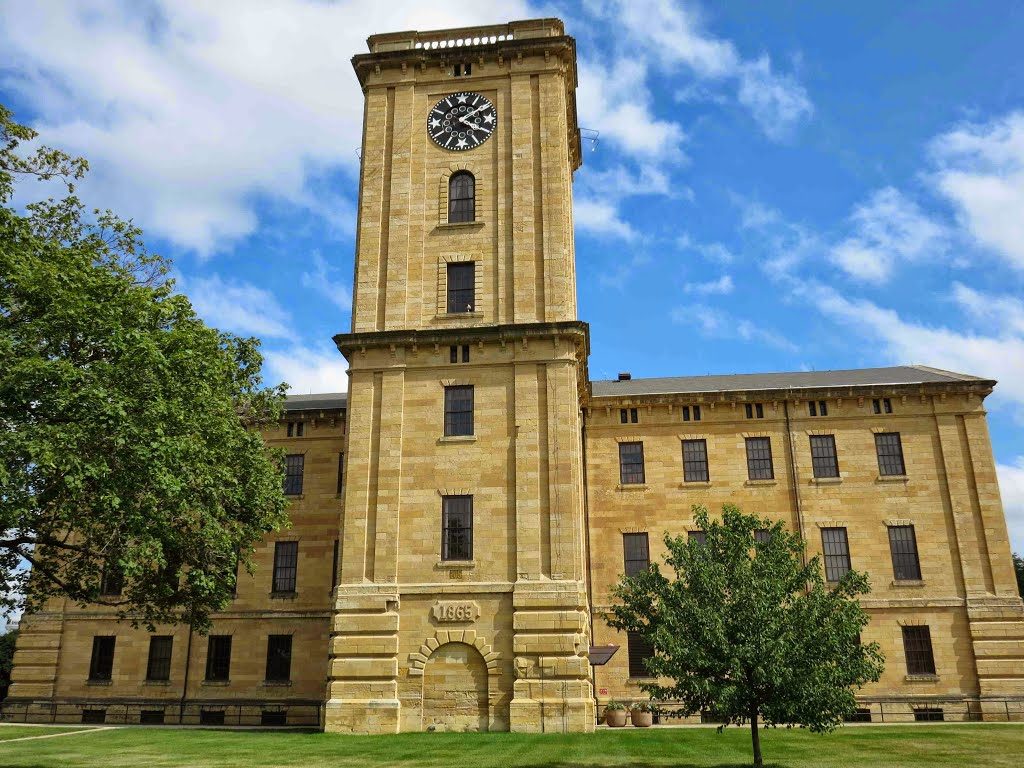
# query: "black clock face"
[[462, 121]]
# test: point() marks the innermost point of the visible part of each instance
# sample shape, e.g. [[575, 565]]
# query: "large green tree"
[[129, 430], [1018, 567], [743, 628], [7, 642]]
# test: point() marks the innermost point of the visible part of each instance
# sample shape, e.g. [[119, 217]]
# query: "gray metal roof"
[[321, 402], [740, 382]]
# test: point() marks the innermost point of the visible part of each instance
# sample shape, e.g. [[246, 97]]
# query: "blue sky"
[[776, 186]]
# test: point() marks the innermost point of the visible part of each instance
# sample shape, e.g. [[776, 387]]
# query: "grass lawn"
[[950, 745], [8, 732]]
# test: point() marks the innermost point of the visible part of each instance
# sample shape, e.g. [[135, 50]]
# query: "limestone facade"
[[396, 617]]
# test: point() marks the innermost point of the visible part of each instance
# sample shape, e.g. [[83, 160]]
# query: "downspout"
[[586, 540], [795, 488], [184, 686]]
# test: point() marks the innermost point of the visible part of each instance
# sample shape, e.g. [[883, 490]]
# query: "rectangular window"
[[696, 413], [880, 405], [465, 353], [112, 580], [700, 537], [903, 545], [631, 463], [273, 717], [151, 717], [890, 453], [686, 413], [218, 658], [293, 465], [917, 646], [101, 665], [158, 667], [762, 535], [458, 410], [759, 459], [279, 657], [286, 565], [636, 553], [94, 716], [695, 461], [341, 473], [453, 354], [929, 715], [461, 286], [211, 717], [823, 456], [836, 547], [817, 408], [296, 429], [634, 415], [754, 410], [623, 416], [639, 650], [334, 565], [457, 528]]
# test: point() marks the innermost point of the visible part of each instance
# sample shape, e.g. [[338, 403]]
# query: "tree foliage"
[[129, 438], [7, 642], [745, 630], [1018, 568]]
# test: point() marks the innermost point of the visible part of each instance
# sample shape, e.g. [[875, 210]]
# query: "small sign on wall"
[[454, 611]]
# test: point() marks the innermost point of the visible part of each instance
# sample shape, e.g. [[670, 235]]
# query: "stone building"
[[459, 516]]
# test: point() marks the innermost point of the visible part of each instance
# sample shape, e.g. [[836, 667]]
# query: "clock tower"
[[462, 597]]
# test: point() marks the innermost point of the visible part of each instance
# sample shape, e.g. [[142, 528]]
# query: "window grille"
[[101, 665], [158, 666], [639, 650], [903, 545], [836, 547], [286, 564], [218, 658], [759, 458], [917, 646], [824, 461], [631, 463], [293, 467], [695, 461], [461, 198], [636, 553], [457, 528], [279, 657], [890, 453], [458, 410], [461, 286]]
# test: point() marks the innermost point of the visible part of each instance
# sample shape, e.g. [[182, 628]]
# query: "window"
[[462, 70], [759, 459], [453, 353], [860, 715], [273, 717], [629, 415], [881, 405], [762, 535], [159, 665], [754, 410], [929, 714], [341, 473], [286, 564], [631, 463], [639, 650], [279, 657], [94, 716], [698, 537], [461, 198], [112, 580], [695, 461], [211, 717], [823, 456], [293, 464], [636, 553], [457, 528], [836, 547], [218, 658], [101, 665], [334, 566], [296, 429], [458, 410], [687, 411], [461, 290], [151, 717], [817, 408], [890, 453], [917, 646], [903, 544]]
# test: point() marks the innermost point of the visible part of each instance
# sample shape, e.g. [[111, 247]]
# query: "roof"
[[745, 382], [322, 402]]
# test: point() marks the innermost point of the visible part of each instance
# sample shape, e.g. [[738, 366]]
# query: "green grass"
[[861, 747], [8, 732]]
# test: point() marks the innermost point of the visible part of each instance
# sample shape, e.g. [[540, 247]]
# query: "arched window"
[[461, 197]]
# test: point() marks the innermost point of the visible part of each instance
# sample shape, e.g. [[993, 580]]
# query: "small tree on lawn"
[[743, 628]]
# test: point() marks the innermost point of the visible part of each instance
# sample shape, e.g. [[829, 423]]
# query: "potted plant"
[[642, 714], [615, 714]]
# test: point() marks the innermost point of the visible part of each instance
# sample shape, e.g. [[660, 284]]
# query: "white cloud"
[[981, 171], [602, 217], [1011, 486], [784, 245], [599, 195], [306, 369], [190, 112], [714, 252], [721, 286], [1005, 314], [716, 323], [671, 35], [887, 227], [237, 306], [319, 279]]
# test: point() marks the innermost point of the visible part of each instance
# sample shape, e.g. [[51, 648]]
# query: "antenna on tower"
[[589, 134]]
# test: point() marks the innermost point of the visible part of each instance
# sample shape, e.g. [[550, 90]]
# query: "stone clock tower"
[[462, 598]]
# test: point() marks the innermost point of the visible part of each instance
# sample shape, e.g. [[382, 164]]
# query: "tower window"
[[461, 286], [461, 197], [457, 528], [458, 410], [462, 70]]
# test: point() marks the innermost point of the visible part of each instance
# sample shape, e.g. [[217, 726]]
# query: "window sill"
[[276, 683], [752, 483], [460, 225], [826, 480], [921, 678], [284, 595], [631, 487], [695, 484], [639, 680], [456, 439], [916, 583], [446, 316], [892, 478], [298, 496], [216, 683], [460, 564], [99, 682], [156, 682]]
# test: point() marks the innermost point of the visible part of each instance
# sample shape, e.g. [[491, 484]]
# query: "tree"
[[742, 628], [7, 642], [129, 440], [1018, 567]]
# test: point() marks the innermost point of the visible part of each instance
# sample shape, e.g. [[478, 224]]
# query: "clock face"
[[462, 121]]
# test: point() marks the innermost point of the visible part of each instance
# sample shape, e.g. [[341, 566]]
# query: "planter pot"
[[642, 719], [616, 718]]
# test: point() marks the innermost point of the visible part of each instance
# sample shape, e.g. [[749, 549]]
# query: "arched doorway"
[[455, 689]]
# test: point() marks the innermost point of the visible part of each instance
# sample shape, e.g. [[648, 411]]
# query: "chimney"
[[625, 376]]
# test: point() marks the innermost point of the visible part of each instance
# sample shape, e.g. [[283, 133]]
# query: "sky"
[[774, 186]]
